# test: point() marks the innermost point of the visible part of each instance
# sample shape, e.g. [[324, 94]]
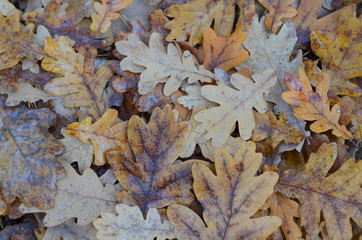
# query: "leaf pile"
[[174, 119]]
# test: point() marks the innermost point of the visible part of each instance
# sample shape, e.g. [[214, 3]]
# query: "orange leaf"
[[314, 106], [223, 52]]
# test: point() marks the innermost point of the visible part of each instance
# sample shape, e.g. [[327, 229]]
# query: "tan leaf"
[[229, 199], [191, 19], [314, 106], [231, 145], [337, 196], [80, 85], [79, 196], [130, 224], [194, 98], [70, 230], [106, 12], [6, 7], [279, 13], [270, 51], [351, 111], [158, 65], [150, 176], [103, 134], [235, 106]]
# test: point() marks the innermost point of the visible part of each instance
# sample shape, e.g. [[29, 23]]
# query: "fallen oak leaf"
[[229, 199], [351, 112], [70, 230], [149, 176], [341, 58], [106, 12], [235, 106], [314, 106], [130, 224], [79, 196], [28, 166], [157, 65], [103, 134], [337, 196]]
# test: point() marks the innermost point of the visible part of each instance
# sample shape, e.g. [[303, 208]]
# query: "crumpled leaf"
[[314, 106], [16, 43], [222, 52], [28, 166], [26, 93], [337, 196], [79, 196], [351, 112], [191, 19], [106, 12], [235, 106], [82, 87], [267, 126], [279, 13], [270, 51], [229, 199], [341, 58], [157, 65], [130, 224], [70, 230], [103, 134], [150, 177], [77, 151]]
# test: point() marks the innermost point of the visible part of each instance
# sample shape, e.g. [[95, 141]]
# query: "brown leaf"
[[194, 17], [127, 82], [351, 112], [28, 167], [78, 82], [102, 134], [229, 199], [337, 196], [279, 13], [341, 58], [223, 52], [150, 177], [314, 106]]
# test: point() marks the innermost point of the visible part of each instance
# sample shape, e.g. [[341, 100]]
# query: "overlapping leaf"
[[229, 199]]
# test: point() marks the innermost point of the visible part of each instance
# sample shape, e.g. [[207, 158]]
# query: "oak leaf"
[[149, 175], [70, 230], [270, 51], [229, 199], [279, 13], [103, 134], [351, 112], [16, 43], [231, 145], [77, 80], [236, 105], [341, 58], [79, 196], [194, 17], [28, 166], [194, 97], [106, 12], [157, 65], [337, 196], [6, 7], [222, 52], [130, 224], [314, 105], [267, 126]]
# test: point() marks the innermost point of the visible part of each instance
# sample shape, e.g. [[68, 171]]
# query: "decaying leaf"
[[279, 13], [235, 106], [194, 98], [341, 58], [222, 52], [157, 65], [337, 196], [314, 105], [270, 51], [79, 196], [130, 224], [267, 126], [28, 166], [229, 199], [351, 111], [16, 43], [191, 19], [231, 145], [150, 177], [82, 87], [70, 230], [106, 12], [103, 134]]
